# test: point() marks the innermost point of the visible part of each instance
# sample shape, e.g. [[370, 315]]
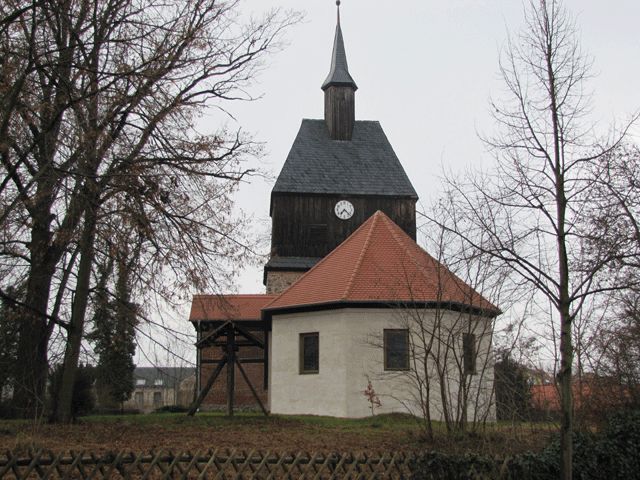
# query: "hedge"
[[613, 454]]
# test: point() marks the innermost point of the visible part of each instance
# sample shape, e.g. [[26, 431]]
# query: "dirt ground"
[[177, 432]]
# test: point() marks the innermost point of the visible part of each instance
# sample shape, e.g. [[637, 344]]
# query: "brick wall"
[[217, 396]]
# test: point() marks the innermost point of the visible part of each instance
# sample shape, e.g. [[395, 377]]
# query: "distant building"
[[157, 387], [591, 395]]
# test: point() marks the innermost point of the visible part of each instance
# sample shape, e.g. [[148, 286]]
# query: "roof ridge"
[[365, 246], [305, 274], [441, 268], [444, 273]]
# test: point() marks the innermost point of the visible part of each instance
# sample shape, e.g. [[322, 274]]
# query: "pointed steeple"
[[339, 73], [339, 91]]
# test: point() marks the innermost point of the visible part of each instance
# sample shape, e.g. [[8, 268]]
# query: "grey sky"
[[425, 70]]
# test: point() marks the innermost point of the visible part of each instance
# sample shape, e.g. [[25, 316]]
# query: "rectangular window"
[[396, 349], [469, 353], [309, 353], [139, 399], [157, 399], [317, 239], [140, 381]]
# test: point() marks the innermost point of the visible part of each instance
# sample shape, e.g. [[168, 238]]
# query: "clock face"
[[344, 209]]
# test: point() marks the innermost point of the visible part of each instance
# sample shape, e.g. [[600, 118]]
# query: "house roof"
[[339, 72], [228, 307], [317, 164], [379, 263]]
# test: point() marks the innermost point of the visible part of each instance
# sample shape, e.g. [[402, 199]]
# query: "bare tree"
[[450, 373], [100, 100], [530, 214]]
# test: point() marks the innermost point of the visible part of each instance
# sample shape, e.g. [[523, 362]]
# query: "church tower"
[[338, 173]]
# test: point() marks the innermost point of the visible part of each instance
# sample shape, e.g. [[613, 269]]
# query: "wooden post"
[[265, 356], [203, 393], [231, 368], [253, 390]]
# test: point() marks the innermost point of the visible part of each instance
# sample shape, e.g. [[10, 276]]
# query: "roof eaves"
[[426, 305]]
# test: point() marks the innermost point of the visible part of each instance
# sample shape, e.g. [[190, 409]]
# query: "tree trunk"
[[34, 331], [63, 412], [566, 395]]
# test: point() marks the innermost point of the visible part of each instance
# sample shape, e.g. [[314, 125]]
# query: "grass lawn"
[[250, 431]]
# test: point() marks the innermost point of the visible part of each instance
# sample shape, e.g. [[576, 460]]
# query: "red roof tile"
[[228, 307], [379, 263]]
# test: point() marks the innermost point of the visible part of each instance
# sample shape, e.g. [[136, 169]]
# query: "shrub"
[[611, 455], [115, 411], [172, 409]]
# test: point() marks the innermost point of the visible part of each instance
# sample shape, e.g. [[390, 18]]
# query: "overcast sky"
[[426, 71]]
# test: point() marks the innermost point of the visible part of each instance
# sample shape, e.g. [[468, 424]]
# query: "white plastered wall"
[[350, 354]]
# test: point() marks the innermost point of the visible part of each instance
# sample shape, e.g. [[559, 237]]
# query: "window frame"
[[469, 353], [385, 348], [301, 369]]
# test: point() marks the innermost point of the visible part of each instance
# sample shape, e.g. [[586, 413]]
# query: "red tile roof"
[[379, 263], [228, 307]]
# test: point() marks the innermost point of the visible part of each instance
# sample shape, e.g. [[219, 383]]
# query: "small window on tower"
[[309, 353]]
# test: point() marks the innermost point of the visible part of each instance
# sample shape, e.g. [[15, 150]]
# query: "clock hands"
[[344, 209]]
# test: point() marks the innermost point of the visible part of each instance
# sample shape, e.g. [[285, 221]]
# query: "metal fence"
[[212, 464]]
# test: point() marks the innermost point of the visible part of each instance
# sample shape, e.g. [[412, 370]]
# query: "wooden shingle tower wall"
[[338, 173]]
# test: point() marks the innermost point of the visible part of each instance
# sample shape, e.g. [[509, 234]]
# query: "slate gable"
[[366, 165]]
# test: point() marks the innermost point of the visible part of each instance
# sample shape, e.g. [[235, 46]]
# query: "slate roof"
[[339, 73], [365, 165], [228, 307], [379, 263]]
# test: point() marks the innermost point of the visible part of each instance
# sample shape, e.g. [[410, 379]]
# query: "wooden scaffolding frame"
[[231, 336]]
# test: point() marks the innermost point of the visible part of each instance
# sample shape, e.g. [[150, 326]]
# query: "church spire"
[[339, 73], [339, 91]]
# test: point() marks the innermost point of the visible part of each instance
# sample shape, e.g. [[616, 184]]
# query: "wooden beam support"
[[251, 325], [239, 343], [253, 390], [213, 335], [245, 333], [203, 393], [265, 354], [242, 360], [231, 380]]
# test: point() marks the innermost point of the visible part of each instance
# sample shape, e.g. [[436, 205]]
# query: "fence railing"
[[212, 464]]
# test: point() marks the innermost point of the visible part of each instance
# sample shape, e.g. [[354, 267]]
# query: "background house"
[[157, 387]]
